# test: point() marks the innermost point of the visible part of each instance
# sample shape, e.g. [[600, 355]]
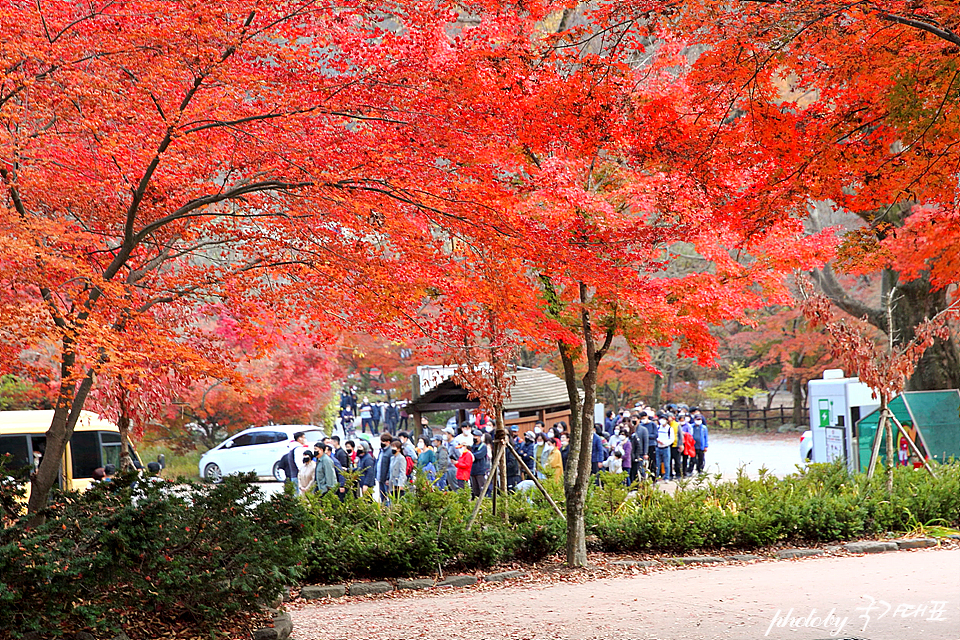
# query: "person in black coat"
[[526, 450], [639, 445], [513, 467], [366, 466], [481, 463], [383, 465]]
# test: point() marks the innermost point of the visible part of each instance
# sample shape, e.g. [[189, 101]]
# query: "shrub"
[[199, 555], [823, 504], [423, 533]]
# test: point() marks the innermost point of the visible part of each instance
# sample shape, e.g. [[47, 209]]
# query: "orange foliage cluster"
[[486, 175]]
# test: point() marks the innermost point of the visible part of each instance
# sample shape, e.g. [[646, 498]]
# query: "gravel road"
[[911, 595]]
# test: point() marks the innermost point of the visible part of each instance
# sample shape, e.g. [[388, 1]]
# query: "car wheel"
[[212, 473], [278, 472]]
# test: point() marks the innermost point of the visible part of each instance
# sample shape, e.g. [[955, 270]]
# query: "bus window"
[[110, 448], [85, 453], [19, 450], [38, 447]]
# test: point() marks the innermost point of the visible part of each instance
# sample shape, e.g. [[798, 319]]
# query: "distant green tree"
[[19, 394], [735, 389]]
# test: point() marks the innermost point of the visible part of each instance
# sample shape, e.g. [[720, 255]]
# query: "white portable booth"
[[836, 405]]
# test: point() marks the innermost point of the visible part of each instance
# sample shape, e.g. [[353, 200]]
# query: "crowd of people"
[[390, 415], [640, 443]]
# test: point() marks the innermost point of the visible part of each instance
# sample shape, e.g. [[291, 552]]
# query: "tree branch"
[[608, 339], [197, 203], [832, 288], [941, 32]]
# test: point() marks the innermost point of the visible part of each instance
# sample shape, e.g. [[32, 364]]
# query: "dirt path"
[[735, 602]]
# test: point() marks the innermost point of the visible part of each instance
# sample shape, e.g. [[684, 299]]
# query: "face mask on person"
[[698, 421]]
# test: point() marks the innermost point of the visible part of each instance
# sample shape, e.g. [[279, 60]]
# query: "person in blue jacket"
[[481, 463], [700, 440], [598, 454]]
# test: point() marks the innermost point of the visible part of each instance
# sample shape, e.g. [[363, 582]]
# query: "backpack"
[[689, 447], [410, 465]]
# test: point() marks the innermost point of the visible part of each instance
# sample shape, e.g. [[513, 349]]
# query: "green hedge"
[[112, 554], [426, 532], [104, 557], [823, 504], [422, 533]]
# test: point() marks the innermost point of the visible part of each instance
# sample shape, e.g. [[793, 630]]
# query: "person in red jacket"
[[463, 464]]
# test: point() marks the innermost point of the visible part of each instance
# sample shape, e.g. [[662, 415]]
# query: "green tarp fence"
[[935, 413]]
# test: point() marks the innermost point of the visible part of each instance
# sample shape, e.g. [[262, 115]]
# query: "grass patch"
[[177, 465]]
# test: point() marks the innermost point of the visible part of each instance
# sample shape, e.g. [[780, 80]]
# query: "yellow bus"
[[95, 443]]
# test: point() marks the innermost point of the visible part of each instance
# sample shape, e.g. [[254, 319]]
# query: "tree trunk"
[[499, 442], [66, 412], [671, 375], [574, 498], [891, 455], [657, 391], [576, 479], [796, 388], [123, 424], [914, 302]]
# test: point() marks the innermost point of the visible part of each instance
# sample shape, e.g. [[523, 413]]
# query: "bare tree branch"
[[832, 288], [230, 194]]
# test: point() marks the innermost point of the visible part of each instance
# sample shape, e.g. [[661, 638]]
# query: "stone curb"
[[871, 547], [635, 563], [458, 581], [787, 554], [368, 588], [314, 592], [503, 576], [694, 560], [916, 543], [280, 629], [423, 583], [743, 557]]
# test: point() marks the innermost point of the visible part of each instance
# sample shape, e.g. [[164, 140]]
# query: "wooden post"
[[486, 485], [875, 453], [913, 445], [495, 472], [533, 476]]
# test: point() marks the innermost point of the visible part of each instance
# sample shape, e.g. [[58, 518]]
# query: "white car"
[[806, 446], [257, 449]]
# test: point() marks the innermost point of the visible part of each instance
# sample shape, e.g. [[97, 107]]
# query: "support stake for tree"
[[913, 446], [875, 453], [483, 491], [543, 490]]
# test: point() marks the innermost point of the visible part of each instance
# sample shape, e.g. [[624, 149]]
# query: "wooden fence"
[[752, 418]]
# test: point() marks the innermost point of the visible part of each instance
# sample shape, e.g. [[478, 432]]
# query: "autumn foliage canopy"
[[484, 175]]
